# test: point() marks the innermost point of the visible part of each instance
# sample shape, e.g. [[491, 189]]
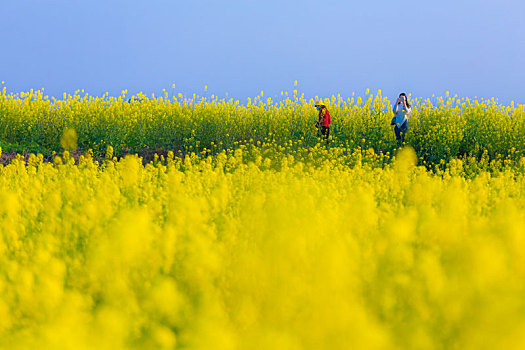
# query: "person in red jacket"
[[323, 123]]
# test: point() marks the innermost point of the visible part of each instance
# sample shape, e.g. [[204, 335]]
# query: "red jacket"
[[324, 117]]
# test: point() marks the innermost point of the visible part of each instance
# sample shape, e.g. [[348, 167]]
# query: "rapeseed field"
[[250, 233]]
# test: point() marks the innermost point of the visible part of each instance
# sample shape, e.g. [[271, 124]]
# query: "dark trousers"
[[324, 132], [401, 132]]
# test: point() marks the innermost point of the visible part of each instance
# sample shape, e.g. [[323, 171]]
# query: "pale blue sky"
[[471, 48]]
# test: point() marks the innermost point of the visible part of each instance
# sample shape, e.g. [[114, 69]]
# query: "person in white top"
[[402, 112]]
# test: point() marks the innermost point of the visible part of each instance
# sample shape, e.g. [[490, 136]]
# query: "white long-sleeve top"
[[402, 114]]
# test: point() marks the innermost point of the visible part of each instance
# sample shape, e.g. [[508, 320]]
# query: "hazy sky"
[[471, 48]]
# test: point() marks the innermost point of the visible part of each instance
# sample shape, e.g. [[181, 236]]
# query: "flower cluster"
[[259, 248]]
